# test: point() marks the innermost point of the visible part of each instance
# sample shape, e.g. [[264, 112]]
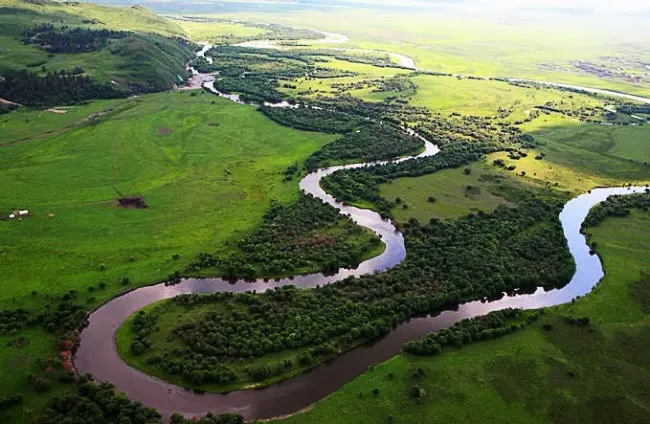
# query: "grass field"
[[581, 156], [455, 194], [208, 169], [218, 32], [486, 98], [565, 374]]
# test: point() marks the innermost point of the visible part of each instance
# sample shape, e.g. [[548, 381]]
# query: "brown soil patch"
[[132, 202], [57, 111], [164, 131], [19, 342], [16, 363]]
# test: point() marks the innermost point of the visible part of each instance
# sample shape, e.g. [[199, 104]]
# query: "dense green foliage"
[[369, 143], [256, 73], [583, 362], [69, 40], [490, 326], [308, 235], [58, 88], [100, 403], [314, 119]]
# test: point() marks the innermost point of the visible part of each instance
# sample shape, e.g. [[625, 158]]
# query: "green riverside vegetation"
[[561, 368]]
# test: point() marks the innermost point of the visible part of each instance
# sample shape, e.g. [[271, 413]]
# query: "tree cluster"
[[370, 142], [70, 40], [56, 88], [482, 255], [307, 235], [493, 325], [616, 206]]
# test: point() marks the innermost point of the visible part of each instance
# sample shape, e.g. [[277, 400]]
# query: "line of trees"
[[616, 205], [493, 325], [55, 88], [70, 40]]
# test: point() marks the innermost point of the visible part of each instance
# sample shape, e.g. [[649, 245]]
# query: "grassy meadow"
[[208, 168], [549, 372], [453, 194]]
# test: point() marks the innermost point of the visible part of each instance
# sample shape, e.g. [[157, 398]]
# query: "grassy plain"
[[582, 156], [566, 373], [454, 193], [207, 168], [218, 32], [486, 98]]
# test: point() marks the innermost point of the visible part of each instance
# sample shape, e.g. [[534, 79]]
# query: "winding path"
[[98, 355]]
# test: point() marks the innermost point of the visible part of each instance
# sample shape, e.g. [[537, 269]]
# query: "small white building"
[[24, 212]]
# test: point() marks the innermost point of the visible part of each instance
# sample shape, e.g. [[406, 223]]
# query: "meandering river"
[[97, 353]]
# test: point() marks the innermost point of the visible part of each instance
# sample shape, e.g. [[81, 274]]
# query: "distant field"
[[218, 32], [582, 155], [503, 46], [565, 374], [484, 98]]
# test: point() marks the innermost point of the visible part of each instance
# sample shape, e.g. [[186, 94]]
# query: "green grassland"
[[486, 98], [582, 156], [454, 193], [551, 371], [149, 55], [207, 168]]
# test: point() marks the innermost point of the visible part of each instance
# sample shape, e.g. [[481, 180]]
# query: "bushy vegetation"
[[70, 40], [100, 403], [368, 143], [314, 119], [616, 206], [305, 236], [58, 88], [490, 326]]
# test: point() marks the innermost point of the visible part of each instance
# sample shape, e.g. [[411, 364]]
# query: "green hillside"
[[147, 53]]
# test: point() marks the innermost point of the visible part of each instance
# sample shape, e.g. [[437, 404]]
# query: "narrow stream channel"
[[98, 354]]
